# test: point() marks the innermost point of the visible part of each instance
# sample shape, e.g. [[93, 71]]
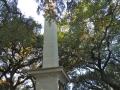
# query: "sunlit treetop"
[[62, 6], [55, 8]]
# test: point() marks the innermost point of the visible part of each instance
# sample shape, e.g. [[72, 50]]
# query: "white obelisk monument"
[[51, 76], [50, 48]]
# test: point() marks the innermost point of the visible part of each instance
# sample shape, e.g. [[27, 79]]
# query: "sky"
[[29, 8]]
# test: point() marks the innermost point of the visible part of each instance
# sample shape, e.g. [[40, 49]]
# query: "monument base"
[[52, 78]]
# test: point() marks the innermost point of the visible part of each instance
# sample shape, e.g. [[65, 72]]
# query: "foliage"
[[89, 45], [92, 44], [60, 6], [18, 47], [3, 85]]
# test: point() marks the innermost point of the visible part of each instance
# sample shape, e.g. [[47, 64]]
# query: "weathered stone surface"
[[50, 48], [48, 78]]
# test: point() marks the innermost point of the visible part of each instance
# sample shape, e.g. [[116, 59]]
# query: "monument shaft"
[[50, 48]]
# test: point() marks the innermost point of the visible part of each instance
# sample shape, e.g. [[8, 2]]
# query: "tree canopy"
[[88, 41], [91, 44], [55, 9], [20, 48]]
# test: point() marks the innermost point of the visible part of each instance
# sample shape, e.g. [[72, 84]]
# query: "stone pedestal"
[[52, 78]]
